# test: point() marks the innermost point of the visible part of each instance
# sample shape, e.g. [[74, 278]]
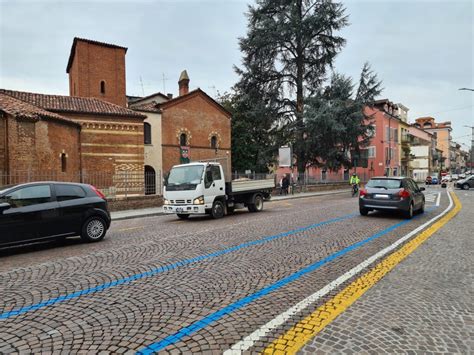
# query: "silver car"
[[392, 194]]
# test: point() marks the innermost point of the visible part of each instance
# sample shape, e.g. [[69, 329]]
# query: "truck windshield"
[[185, 177]]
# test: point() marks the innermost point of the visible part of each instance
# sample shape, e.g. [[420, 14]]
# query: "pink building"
[[383, 151]]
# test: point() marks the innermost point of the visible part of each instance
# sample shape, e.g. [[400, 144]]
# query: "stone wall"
[[135, 202]]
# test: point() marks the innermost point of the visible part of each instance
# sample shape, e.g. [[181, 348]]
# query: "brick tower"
[[97, 69]]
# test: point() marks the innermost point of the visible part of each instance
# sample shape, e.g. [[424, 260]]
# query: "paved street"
[[201, 285]]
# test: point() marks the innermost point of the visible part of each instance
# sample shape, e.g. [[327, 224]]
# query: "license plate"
[[179, 209], [381, 196]]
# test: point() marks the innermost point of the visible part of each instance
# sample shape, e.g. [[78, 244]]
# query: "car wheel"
[[422, 207], [182, 216], [93, 229], [363, 211], [409, 213], [217, 210], [465, 187], [257, 204]]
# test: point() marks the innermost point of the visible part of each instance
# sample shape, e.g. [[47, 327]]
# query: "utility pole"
[[472, 146]]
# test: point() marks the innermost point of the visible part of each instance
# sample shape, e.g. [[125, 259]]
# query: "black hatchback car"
[[45, 210], [392, 194]]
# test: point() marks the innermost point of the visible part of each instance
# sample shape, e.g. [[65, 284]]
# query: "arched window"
[[102, 87], [63, 162], [427, 125], [183, 139], [214, 142], [147, 133]]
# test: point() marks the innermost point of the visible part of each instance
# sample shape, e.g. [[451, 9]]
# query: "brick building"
[[193, 127], [96, 133]]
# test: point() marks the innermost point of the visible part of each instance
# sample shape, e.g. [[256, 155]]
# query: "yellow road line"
[[295, 338]]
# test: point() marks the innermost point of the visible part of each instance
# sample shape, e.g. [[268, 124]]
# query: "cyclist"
[[354, 181]]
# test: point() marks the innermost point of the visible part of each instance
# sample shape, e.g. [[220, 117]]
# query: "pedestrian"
[[285, 183]]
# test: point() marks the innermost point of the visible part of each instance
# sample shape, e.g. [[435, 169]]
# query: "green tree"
[[289, 47], [254, 137], [336, 119]]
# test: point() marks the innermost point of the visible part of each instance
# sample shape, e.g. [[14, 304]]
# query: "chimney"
[[183, 83], [170, 96]]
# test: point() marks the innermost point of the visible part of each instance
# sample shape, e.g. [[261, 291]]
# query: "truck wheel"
[[217, 209], [182, 216], [257, 204]]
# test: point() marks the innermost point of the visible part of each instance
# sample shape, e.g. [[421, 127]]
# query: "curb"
[[293, 197]]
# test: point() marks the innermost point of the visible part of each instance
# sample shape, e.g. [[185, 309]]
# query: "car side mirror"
[[4, 206], [422, 189]]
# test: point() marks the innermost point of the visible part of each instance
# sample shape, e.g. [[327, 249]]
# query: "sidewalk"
[[424, 305], [157, 211]]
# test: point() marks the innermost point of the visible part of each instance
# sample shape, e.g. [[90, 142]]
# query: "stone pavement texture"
[[187, 277], [157, 211], [424, 305]]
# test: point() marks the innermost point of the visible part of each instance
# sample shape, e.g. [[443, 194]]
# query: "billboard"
[[284, 157]]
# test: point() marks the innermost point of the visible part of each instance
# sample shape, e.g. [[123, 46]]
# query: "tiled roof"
[[190, 94], [77, 39], [25, 110], [72, 104], [148, 107], [139, 99]]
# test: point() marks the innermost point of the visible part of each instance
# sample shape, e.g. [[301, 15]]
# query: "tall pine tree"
[[288, 49]]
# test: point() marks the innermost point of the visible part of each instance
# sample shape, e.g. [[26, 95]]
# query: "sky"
[[422, 50]]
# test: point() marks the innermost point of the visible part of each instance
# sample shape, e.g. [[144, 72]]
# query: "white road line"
[[281, 319], [439, 198]]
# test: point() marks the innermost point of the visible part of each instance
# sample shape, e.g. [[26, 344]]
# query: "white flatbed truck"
[[200, 188]]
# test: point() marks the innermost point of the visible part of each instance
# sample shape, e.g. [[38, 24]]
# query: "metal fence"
[[117, 184]]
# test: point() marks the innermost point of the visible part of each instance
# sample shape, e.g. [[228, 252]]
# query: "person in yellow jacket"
[[354, 181]]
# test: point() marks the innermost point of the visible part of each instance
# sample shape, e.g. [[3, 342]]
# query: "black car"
[[392, 194], [44, 210]]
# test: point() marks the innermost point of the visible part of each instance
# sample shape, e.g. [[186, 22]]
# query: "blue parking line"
[[196, 326], [164, 268]]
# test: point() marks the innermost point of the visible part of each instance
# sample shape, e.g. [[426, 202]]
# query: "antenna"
[[141, 83], [164, 82]]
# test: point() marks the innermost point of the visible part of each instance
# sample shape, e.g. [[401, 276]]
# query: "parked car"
[[392, 194], [462, 176], [428, 180], [447, 178], [455, 177], [434, 180], [46, 210], [466, 183]]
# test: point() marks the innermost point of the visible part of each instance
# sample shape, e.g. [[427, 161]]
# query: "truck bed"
[[248, 185]]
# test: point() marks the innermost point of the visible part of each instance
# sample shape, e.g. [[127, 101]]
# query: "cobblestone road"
[[423, 306], [153, 277]]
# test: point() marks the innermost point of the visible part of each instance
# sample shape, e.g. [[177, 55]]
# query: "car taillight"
[[404, 193], [362, 192], [98, 192]]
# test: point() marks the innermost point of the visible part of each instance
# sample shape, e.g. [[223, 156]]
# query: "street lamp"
[[472, 135]]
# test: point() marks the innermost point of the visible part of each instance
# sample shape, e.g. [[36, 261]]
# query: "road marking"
[[164, 268], [129, 229], [438, 199], [295, 338], [213, 317]]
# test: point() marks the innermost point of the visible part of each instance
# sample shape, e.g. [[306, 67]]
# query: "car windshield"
[[384, 183], [185, 175]]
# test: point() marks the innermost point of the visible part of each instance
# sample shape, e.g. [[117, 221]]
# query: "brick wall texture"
[[35, 148], [94, 63], [199, 119]]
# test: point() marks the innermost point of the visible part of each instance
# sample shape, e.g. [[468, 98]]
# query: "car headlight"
[[167, 202], [199, 201]]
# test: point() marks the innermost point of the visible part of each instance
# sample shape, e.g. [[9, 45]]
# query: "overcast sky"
[[422, 50]]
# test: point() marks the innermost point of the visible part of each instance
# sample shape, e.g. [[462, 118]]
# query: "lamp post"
[[472, 134]]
